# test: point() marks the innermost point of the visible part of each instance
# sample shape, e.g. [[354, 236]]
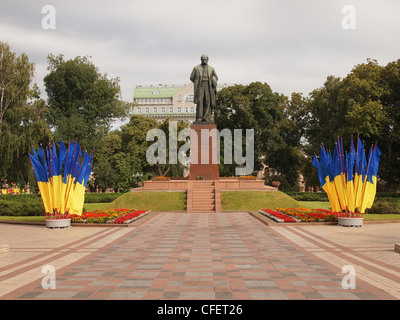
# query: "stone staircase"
[[203, 196]]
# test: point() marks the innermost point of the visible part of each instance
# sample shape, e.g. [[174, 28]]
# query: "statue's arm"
[[215, 74], [193, 75]]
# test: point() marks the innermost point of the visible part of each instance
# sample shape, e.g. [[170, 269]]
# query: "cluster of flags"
[[349, 178], [62, 176]]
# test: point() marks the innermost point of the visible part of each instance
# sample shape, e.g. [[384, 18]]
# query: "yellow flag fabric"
[[62, 178]]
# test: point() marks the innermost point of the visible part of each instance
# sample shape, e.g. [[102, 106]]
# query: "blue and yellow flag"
[[61, 177], [349, 180], [42, 181]]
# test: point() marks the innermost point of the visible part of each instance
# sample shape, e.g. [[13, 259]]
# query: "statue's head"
[[204, 59]]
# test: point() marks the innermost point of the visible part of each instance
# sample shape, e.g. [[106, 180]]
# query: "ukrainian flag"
[[349, 166], [72, 174], [338, 179], [329, 186], [42, 181], [58, 186], [80, 184], [359, 174], [370, 183]]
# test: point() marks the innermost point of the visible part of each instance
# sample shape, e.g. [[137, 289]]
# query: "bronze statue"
[[205, 88]]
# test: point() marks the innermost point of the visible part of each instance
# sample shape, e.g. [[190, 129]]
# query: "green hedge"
[[322, 196], [308, 196], [385, 205], [32, 205], [28, 207], [101, 197]]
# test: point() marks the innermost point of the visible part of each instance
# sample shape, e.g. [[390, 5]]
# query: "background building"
[[163, 101], [166, 101]]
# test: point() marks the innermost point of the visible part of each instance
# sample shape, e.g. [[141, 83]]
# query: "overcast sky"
[[292, 45]]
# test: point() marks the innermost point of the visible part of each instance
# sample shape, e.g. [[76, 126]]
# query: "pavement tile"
[[212, 256]]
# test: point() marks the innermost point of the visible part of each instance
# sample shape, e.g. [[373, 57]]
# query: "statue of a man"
[[205, 87]]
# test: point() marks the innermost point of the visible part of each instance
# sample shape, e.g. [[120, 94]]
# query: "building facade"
[[165, 101]]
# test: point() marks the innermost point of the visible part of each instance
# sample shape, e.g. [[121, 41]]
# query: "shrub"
[[28, 207], [385, 205], [308, 196], [101, 197]]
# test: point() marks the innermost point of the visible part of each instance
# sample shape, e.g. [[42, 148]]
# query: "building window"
[[154, 110], [190, 97], [179, 110], [171, 110], [187, 110], [192, 109], [139, 110], [147, 110], [179, 98], [162, 110]]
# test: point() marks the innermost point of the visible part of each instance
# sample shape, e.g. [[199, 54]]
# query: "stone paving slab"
[[181, 256]]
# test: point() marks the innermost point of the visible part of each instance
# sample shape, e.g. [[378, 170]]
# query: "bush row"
[[32, 205], [308, 196], [28, 207], [385, 205], [322, 196], [101, 197]]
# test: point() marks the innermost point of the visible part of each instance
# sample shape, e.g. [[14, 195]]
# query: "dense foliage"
[[83, 103]]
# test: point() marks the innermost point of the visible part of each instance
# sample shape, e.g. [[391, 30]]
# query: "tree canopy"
[[22, 117], [83, 103]]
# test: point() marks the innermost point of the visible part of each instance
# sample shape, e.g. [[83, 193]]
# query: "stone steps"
[[203, 196]]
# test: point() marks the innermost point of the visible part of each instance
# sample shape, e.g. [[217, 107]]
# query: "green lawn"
[[94, 206], [150, 200], [256, 200], [230, 200], [315, 204], [23, 218]]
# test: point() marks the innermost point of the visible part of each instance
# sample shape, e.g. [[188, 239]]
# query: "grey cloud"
[[291, 45]]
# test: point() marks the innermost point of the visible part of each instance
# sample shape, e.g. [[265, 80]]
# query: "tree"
[[324, 115], [175, 169], [257, 107], [83, 103], [22, 117], [123, 154], [365, 103]]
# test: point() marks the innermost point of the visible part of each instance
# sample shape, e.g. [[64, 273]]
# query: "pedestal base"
[[350, 222], [204, 152], [58, 223]]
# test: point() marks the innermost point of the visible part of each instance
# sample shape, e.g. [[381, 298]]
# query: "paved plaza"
[[182, 256]]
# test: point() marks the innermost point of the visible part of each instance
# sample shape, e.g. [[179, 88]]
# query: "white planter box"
[[350, 222], [58, 223]]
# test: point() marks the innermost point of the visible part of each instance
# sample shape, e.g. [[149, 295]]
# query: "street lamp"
[[139, 175]]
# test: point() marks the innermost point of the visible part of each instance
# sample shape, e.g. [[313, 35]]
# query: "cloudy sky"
[[292, 45]]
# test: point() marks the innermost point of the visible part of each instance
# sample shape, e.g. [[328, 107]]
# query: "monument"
[[204, 195], [205, 80], [204, 163]]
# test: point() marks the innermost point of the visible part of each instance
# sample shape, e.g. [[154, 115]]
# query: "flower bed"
[[277, 216], [117, 216], [300, 215], [309, 215]]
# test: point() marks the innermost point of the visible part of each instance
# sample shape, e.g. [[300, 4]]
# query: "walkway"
[[201, 256]]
